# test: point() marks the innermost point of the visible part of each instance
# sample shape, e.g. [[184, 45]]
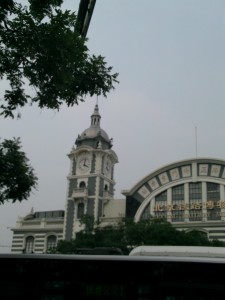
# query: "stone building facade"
[[190, 194], [90, 191]]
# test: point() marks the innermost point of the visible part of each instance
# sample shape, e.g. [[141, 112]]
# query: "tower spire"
[[95, 117]]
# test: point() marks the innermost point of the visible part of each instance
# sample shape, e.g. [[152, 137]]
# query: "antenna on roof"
[[196, 142]]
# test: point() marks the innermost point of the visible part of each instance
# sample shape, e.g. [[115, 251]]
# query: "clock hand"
[[107, 166], [84, 164]]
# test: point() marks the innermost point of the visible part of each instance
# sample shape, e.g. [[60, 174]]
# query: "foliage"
[[197, 238], [39, 46], [101, 237], [129, 234], [88, 222], [17, 178], [151, 232]]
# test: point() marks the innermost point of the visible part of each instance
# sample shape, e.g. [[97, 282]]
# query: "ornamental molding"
[[188, 170]]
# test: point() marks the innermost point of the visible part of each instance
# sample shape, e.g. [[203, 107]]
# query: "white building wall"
[[39, 229], [115, 208]]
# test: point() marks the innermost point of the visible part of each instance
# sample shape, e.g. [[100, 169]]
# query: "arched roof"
[[94, 132], [190, 170]]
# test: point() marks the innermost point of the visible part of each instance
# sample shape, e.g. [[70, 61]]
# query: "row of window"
[[179, 208], [82, 185], [49, 214], [29, 243]]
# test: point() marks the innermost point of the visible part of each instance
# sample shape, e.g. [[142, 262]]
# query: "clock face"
[[107, 167], [84, 163]]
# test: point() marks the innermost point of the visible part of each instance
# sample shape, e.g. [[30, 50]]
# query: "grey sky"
[[170, 56]]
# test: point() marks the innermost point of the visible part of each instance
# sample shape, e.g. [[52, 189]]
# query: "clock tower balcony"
[[80, 193], [107, 195]]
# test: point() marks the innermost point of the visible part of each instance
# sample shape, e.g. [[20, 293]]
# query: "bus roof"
[[179, 251]]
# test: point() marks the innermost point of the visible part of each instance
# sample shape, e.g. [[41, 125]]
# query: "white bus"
[[156, 275], [179, 251]]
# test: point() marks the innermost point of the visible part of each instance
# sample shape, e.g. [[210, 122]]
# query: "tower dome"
[[94, 135]]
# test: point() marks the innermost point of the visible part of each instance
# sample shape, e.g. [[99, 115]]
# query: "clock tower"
[[91, 177]]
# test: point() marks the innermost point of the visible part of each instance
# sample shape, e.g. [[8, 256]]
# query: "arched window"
[[106, 188], [82, 185], [146, 213], [51, 242], [29, 244], [80, 210]]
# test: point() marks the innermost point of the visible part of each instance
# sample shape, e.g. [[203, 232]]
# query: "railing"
[[107, 195], [80, 193]]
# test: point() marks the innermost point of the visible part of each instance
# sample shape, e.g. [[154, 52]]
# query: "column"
[[186, 202], [169, 203], [204, 200], [222, 202]]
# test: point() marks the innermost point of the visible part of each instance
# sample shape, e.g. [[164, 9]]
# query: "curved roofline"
[[80, 149], [94, 130], [168, 167], [113, 154]]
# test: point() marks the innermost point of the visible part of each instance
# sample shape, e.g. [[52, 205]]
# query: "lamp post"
[[86, 8]]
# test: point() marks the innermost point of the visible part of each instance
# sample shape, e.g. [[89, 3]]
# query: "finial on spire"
[[95, 117]]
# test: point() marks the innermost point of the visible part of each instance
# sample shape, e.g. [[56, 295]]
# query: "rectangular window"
[[195, 191], [213, 191], [213, 201], [177, 203], [160, 208], [195, 201]]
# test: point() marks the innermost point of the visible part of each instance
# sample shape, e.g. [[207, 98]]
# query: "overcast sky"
[[170, 56]]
